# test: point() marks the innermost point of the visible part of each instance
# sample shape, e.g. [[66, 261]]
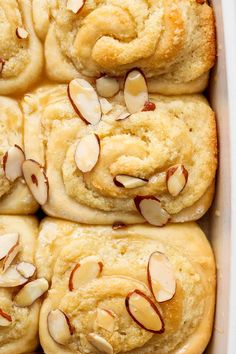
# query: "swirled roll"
[[18, 324], [21, 53], [113, 171], [100, 297], [15, 197], [172, 42]]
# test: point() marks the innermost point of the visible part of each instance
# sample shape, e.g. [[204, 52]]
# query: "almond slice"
[[106, 107], [36, 180], [176, 179], [2, 62], [5, 319], [150, 208], [144, 312], [106, 319], [12, 163], [87, 153], [22, 33], [100, 343], [7, 261], [122, 116], [129, 182], [107, 86], [7, 241], [149, 106], [59, 327], [26, 269], [75, 5], [135, 91], [85, 101], [85, 271], [31, 292], [11, 278], [161, 277]]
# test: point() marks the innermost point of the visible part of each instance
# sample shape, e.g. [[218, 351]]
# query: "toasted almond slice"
[[26, 269], [107, 86], [106, 107], [7, 261], [88, 269], [31, 292], [144, 312], [150, 208], [129, 182], [100, 343], [22, 33], [161, 277], [12, 163], [11, 278], [75, 5], [135, 91], [106, 319], [87, 153], [176, 179], [123, 116], [7, 241], [149, 106], [36, 180], [85, 101], [59, 327], [5, 319], [2, 62]]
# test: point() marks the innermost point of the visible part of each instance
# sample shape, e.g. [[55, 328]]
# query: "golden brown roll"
[[118, 170], [15, 197], [172, 42], [139, 290], [19, 288], [21, 53]]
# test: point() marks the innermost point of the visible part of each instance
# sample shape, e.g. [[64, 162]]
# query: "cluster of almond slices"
[[145, 311], [18, 274], [87, 105]]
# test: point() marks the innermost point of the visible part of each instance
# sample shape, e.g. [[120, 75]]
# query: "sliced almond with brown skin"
[[85, 101], [36, 180], [12, 163], [2, 62], [31, 292], [5, 319], [106, 319], [106, 107], [88, 269], [118, 225], [7, 241], [7, 261], [129, 182], [144, 312], [87, 153], [75, 5], [59, 327], [123, 116], [152, 211], [26, 269], [161, 277], [11, 278], [149, 106], [135, 91], [22, 33], [107, 86], [100, 343], [176, 179]]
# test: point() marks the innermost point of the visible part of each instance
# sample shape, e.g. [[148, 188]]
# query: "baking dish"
[[221, 222]]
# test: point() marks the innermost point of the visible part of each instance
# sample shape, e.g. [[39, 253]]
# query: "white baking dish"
[[222, 220]]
